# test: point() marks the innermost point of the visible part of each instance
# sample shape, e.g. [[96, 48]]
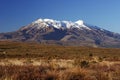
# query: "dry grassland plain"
[[34, 61]]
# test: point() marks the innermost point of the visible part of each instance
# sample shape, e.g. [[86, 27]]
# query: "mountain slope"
[[64, 33]]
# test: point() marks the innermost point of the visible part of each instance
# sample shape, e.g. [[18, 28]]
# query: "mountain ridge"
[[69, 33]]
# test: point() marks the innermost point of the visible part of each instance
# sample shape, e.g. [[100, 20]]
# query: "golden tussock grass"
[[32, 61]]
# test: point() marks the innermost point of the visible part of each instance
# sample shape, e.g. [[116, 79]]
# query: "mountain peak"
[[59, 24], [80, 22], [38, 20], [44, 20]]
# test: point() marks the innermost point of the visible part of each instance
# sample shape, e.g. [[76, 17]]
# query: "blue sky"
[[17, 13]]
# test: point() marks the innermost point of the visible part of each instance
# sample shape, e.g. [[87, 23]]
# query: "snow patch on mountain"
[[79, 22], [43, 23]]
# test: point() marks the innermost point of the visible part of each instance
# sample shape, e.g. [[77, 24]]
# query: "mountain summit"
[[44, 23], [77, 33]]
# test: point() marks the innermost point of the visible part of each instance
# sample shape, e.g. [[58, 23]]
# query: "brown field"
[[34, 61]]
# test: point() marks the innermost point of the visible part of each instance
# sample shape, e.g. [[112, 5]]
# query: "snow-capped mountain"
[[44, 23], [77, 33]]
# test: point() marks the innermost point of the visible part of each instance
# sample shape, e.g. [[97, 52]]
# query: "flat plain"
[[35, 61]]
